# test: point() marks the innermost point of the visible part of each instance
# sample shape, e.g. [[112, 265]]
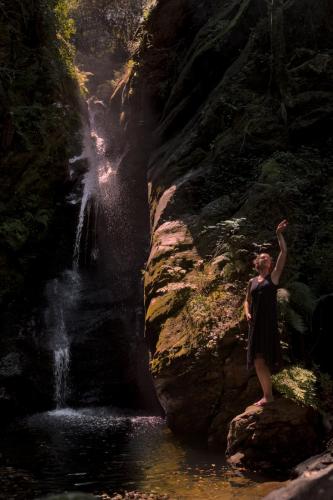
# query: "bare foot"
[[264, 401]]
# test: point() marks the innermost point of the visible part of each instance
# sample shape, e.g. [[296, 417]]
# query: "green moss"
[[165, 358], [158, 273], [165, 306], [204, 310]]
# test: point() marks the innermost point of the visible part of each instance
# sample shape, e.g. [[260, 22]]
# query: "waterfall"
[[89, 191], [55, 321], [61, 370], [92, 319], [62, 293]]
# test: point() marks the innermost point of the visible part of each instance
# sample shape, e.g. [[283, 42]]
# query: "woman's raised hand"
[[282, 226]]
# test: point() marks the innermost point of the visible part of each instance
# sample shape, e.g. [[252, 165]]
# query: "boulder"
[[315, 463], [314, 485], [314, 479], [270, 435]]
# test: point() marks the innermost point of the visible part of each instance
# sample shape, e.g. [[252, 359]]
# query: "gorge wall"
[[229, 108], [38, 133]]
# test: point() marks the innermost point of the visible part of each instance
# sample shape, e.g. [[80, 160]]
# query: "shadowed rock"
[[270, 435], [314, 485]]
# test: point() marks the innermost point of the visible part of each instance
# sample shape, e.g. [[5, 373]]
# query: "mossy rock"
[[166, 306], [167, 269]]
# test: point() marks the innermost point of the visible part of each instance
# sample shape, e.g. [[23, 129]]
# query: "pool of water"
[[107, 450]]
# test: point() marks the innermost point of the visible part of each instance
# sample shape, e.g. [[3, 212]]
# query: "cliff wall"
[[229, 107]]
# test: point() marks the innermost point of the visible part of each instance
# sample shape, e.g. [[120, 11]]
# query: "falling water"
[[57, 294], [104, 243], [61, 370], [63, 292], [89, 190]]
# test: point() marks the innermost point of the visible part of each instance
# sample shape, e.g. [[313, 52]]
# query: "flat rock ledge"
[[278, 435]]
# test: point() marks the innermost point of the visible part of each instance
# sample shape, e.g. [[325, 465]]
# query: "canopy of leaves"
[[104, 30], [105, 26]]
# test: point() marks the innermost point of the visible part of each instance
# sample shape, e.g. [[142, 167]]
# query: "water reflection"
[[106, 450]]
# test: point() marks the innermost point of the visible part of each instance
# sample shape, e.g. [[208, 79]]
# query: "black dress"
[[263, 329]]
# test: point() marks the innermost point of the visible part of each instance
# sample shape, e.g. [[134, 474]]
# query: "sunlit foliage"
[[105, 25]]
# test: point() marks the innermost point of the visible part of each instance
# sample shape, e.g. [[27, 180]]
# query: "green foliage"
[[149, 4], [43, 218], [101, 22], [203, 309], [302, 297], [39, 132], [232, 243], [308, 387], [83, 79], [14, 233], [65, 29], [296, 305], [106, 36], [298, 384], [206, 312], [34, 124]]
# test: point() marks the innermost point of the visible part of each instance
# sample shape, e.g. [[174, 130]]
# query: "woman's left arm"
[[281, 260]]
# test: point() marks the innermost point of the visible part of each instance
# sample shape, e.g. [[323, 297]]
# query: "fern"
[[295, 320], [302, 296], [298, 384], [296, 305]]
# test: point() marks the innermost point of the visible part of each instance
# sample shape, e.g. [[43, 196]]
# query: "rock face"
[[314, 481], [232, 103], [270, 436], [316, 463]]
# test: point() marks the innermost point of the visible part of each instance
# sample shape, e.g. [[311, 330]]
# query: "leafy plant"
[[296, 305], [298, 384], [309, 387]]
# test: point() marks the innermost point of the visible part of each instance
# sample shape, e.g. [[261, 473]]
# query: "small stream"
[[107, 450]]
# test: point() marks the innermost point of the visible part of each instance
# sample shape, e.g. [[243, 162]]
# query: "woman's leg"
[[264, 376]]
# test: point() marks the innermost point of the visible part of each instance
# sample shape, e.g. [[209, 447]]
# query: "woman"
[[261, 314]]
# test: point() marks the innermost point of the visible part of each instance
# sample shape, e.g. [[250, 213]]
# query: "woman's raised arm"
[[281, 260]]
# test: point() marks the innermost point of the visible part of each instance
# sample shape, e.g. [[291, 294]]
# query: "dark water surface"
[[105, 450]]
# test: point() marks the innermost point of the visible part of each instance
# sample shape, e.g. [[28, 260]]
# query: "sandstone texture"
[[232, 104]]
